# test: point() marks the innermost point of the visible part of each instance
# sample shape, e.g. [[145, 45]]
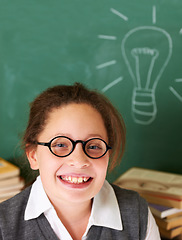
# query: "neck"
[[74, 211], [74, 217]]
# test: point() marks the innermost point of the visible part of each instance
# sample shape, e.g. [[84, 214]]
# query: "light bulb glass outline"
[[147, 28], [148, 91]]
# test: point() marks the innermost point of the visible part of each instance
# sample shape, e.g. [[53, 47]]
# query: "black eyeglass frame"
[[48, 144]]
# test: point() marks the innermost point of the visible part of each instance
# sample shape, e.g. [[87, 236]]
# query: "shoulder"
[[13, 225], [133, 209], [14, 206], [120, 190], [22, 196], [129, 197], [122, 193]]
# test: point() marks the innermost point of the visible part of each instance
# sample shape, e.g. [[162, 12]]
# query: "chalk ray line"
[[175, 93], [107, 87], [154, 14], [107, 37], [119, 14], [106, 64], [178, 80]]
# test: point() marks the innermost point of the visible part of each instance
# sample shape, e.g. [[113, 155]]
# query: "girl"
[[73, 135]]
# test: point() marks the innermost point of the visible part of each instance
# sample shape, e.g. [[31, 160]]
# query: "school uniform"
[[117, 214]]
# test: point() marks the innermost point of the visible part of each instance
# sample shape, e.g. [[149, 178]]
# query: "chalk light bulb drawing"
[[146, 51]]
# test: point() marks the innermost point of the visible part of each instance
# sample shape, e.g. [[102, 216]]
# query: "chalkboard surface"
[[129, 50]]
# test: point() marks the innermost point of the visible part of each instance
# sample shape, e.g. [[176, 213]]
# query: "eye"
[[94, 147], [60, 145]]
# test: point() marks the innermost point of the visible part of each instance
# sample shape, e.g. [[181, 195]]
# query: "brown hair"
[[60, 95]]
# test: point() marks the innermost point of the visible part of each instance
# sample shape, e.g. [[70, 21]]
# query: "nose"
[[78, 158]]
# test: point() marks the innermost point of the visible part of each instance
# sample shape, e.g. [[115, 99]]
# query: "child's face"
[[65, 178]]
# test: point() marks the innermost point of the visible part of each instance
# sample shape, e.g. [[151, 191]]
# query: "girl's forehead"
[[74, 109], [75, 119]]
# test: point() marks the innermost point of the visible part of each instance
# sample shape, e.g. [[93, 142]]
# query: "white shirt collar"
[[38, 201], [105, 209]]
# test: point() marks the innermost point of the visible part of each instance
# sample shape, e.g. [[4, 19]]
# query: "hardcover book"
[[164, 211], [8, 170], [156, 187]]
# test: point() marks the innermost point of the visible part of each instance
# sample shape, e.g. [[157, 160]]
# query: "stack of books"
[[10, 181], [168, 219], [163, 192]]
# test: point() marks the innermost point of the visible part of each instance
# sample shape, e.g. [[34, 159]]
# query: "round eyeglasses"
[[62, 146]]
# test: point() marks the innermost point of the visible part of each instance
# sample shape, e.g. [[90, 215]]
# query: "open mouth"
[[75, 180]]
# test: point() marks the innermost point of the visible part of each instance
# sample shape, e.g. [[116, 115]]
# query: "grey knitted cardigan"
[[134, 213]]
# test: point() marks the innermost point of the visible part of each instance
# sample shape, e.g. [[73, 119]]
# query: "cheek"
[[102, 165], [48, 162]]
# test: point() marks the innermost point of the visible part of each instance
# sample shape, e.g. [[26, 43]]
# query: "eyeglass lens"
[[94, 148]]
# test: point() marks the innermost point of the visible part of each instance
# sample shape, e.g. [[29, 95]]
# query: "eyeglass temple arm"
[[43, 144]]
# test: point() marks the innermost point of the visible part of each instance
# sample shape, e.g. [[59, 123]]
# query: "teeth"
[[80, 180], [85, 179], [75, 180]]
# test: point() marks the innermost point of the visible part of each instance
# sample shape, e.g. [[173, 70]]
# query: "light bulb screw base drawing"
[[144, 108]]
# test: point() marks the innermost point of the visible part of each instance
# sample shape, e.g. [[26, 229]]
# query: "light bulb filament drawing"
[[142, 55]]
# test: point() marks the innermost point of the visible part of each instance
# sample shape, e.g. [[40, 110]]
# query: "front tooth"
[[69, 178], [74, 180], [80, 180]]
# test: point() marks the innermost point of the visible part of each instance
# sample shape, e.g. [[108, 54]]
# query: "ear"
[[32, 158]]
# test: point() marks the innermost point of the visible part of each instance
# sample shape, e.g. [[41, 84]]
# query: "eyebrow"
[[88, 136]]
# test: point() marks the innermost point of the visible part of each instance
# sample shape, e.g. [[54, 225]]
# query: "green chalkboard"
[[129, 50]]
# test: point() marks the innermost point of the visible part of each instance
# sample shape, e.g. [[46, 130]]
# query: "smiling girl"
[[72, 137]]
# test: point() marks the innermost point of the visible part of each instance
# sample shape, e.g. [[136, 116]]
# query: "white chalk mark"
[[175, 93], [119, 14], [144, 108], [107, 37], [180, 32], [137, 53], [178, 80], [143, 103], [154, 15], [106, 64], [144, 113], [112, 84]]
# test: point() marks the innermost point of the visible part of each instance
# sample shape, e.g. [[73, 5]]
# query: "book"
[[11, 188], [164, 211], [8, 191], [10, 181], [7, 195], [174, 215], [156, 187], [175, 233], [169, 224], [7, 169], [162, 200]]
